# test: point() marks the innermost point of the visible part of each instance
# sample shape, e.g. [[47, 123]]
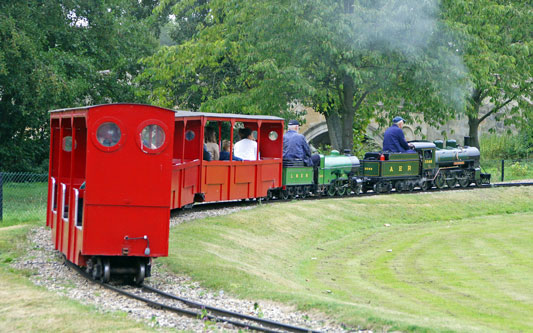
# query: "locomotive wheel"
[[387, 187], [464, 181], [439, 181], [332, 190], [409, 186], [377, 188], [141, 273], [451, 182], [300, 191], [357, 189], [283, 195], [106, 273], [341, 190], [424, 186]]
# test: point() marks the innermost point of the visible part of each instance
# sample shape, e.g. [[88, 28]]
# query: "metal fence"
[[23, 196]]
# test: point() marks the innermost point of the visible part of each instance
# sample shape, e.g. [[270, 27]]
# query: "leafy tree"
[[350, 60], [497, 46], [56, 54]]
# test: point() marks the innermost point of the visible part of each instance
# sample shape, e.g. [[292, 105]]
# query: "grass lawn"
[[449, 261], [25, 307], [24, 202]]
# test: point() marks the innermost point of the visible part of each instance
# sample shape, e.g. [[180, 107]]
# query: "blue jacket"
[[394, 140], [295, 147], [224, 156]]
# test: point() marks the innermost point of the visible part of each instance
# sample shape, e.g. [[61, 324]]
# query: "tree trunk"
[[334, 130], [473, 131], [348, 113]]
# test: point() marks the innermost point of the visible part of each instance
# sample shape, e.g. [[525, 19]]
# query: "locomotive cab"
[[109, 179]]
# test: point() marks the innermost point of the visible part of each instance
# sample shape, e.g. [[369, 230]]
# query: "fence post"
[[503, 169], [1, 195]]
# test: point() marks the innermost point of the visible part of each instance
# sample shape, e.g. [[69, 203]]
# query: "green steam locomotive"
[[431, 164]]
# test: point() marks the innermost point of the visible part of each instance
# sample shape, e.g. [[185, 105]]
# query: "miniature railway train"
[[117, 170]]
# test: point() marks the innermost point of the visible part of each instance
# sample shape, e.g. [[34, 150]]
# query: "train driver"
[[394, 139], [295, 147]]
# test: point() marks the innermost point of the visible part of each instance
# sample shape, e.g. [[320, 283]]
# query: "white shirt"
[[246, 149]]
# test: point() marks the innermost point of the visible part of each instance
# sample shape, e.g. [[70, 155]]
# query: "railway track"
[[206, 312]]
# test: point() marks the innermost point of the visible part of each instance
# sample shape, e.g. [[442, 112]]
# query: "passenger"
[[207, 155], [224, 154], [295, 147], [394, 139], [211, 143], [246, 148]]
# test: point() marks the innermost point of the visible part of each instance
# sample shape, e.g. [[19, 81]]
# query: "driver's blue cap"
[[398, 119]]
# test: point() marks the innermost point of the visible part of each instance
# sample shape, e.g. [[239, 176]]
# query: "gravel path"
[[53, 274]]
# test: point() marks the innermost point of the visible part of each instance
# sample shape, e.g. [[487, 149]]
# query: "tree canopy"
[[56, 54], [495, 39], [348, 59]]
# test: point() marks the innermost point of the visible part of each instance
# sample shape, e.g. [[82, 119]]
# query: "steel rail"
[[277, 327], [222, 312]]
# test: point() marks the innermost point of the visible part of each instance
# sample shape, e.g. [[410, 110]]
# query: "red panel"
[[121, 221], [216, 179], [243, 181]]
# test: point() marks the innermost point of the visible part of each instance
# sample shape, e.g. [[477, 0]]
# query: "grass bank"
[[453, 260]]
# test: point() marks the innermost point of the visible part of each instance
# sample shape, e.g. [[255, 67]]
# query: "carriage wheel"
[[409, 186], [97, 269], [106, 276], [291, 191], [439, 181], [141, 273]]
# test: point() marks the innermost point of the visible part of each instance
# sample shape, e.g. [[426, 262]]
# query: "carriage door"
[[78, 166], [63, 181], [51, 211]]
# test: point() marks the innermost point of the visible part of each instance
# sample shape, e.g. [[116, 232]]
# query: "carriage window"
[[108, 134], [189, 135], [273, 135], [152, 136], [67, 144]]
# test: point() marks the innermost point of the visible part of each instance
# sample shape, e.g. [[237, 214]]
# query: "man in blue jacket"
[[295, 147], [394, 139]]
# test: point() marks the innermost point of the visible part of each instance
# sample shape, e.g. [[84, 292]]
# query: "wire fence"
[[508, 170], [23, 196]]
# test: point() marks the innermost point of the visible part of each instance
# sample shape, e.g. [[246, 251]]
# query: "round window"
[[152, 136], [189, 135], [67, 143], [108, 134], [273, 135]]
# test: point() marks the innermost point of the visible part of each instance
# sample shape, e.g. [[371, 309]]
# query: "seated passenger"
[[295, 147], [207, 155], [224, 154], [211, 143], [394, 139], [246, 148]]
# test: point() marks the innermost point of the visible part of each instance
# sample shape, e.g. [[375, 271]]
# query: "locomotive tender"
[[117, 170]]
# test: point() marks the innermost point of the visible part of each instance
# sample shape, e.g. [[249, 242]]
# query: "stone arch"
[[317, 134]]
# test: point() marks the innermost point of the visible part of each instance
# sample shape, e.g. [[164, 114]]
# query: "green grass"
[[25, 307], [460, 260], [24, 202]]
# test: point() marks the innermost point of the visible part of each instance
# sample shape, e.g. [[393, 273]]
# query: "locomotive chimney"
[[467, 141]]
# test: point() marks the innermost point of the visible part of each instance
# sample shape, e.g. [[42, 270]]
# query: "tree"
[[56, 54], [495, 40], [350, 60]]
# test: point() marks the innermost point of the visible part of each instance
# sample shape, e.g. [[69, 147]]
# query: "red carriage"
[[109, 179]]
